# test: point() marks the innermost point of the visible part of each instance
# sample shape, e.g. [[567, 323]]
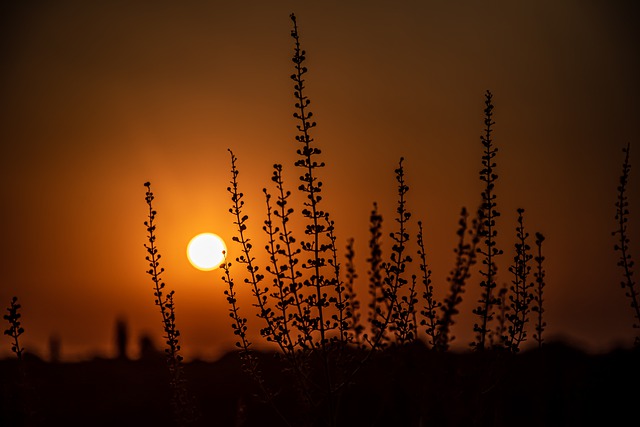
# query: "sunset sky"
[[97, 98]]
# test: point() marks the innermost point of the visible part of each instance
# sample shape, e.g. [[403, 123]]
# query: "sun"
[[206, 251]]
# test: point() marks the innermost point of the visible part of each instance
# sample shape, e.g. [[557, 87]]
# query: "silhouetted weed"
[[521, 295], [465, 258], [311, 314], [538, 299], [352, 298], [394, 280], [309, 311], [15, 328], [390, 312], [376, 297], [498, 334], [430, 319], [626, 262], [182, 404], [24, 391], [488, 232]]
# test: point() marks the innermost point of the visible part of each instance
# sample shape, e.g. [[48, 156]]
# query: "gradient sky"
[[97, 98]]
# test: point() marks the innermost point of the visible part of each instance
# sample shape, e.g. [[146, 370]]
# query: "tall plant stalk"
[[15, 328], [521, 296], [181, 402], [429, 312], [538, 295], [488, 233], [465, 259], [376, 298], [622, 246], [354, 304]]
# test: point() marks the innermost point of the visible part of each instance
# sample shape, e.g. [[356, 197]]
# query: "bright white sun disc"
[[206, 251]]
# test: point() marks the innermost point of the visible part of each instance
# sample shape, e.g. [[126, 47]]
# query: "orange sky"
[[97, 99]]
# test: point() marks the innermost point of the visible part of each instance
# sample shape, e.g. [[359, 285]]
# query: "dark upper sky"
[[96, 99]]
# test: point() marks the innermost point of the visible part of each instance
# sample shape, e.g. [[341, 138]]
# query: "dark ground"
[[555, 386]]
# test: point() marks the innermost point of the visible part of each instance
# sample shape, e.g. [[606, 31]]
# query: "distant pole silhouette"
[[122, 338]]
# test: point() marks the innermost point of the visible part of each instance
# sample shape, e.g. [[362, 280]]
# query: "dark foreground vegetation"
[[411, 386]]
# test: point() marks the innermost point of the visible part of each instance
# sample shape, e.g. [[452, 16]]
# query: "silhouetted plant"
[[249, 360], [431, 305], [15, 328], [520, 296], [394, 269], [375, 274], [405, 322], [389, 309], [239, 323], [626, 262], [289, 295], [498, 336], [354, 303], [311, 314], [247, 259], [303, 304], [181, 402], [487, 214], [270, 332], [281, 294], [340, 297], [316, 231], [538, 299], [312, 187], [465, 258], [24, 391], [290, 271], [291, 308]]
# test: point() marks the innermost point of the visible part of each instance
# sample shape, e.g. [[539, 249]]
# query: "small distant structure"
[[148, 350], [122, 338]]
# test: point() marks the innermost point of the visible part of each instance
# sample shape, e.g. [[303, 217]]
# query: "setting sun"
[[206, 251]]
